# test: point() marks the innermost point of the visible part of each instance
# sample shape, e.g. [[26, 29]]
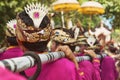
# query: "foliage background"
[[9, 9]]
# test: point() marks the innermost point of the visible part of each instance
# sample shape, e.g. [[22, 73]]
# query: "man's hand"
[[68, 53], [91, 53]]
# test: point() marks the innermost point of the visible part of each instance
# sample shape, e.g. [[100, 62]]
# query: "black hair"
[[69, 31], [72, 48], [97, 50], [112, 48], [12, 41], [36, 46]]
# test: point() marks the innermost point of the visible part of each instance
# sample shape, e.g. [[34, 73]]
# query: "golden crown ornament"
[[36, 12]]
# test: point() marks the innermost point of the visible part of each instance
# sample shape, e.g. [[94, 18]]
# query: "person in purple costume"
[[108, 69], [90, 70], [13, 50], [87, 70], [8, 75], [34, 35]]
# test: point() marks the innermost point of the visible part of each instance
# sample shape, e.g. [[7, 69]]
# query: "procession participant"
[[108, 70], [62, 36], [86, 69], [13, 50], [89, 70], [8, 75], [113, 52], [33, 34]]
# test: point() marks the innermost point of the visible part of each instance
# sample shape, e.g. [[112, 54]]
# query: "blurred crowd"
[[32, 31]]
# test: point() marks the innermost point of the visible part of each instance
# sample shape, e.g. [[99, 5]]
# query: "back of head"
[[64, 37], [33, 27]]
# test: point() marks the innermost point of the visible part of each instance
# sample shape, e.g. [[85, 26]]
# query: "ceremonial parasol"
[[65, 6], [91, 7]]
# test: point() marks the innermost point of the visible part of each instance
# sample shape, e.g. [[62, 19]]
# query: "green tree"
[[112, 8], [9, 9]]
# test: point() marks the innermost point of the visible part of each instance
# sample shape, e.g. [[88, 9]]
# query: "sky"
[[108, 21]]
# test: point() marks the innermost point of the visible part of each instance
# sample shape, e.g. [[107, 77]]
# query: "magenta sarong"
[[62, 69]]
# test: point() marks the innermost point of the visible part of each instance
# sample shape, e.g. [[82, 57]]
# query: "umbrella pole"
[[62, 17], [89, 22], [89, 25]]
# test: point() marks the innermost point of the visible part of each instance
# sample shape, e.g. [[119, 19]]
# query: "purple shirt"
[[89, 71], [7, 75], [108, 70], [11, 53]]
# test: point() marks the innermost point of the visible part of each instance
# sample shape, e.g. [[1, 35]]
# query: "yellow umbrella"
[[91, 7], [65, 6]]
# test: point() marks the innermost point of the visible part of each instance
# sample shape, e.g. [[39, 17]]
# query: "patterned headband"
[[62, 37]]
